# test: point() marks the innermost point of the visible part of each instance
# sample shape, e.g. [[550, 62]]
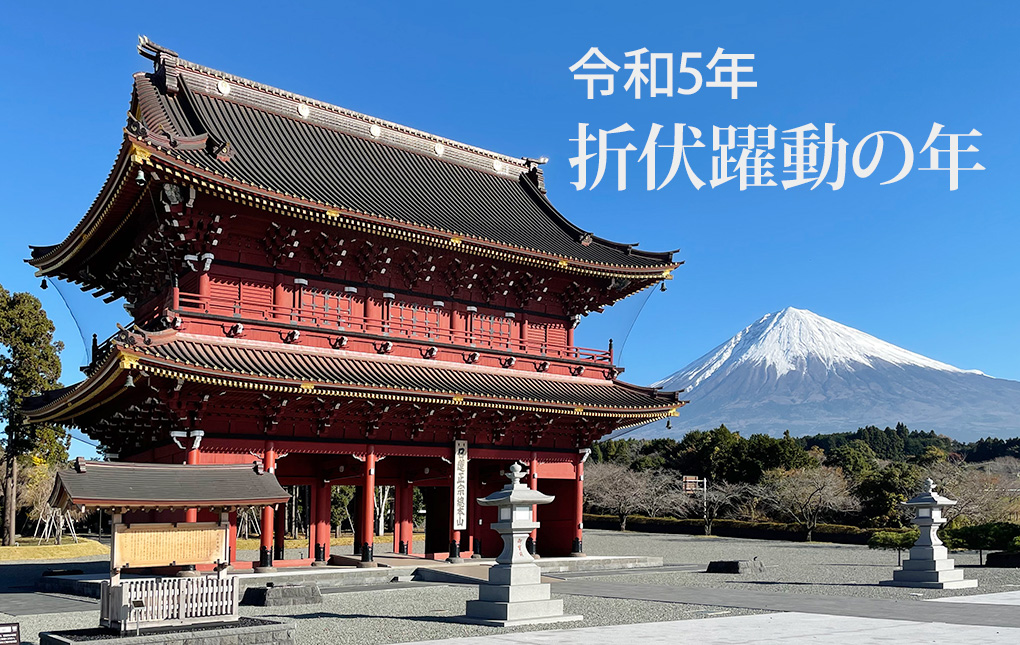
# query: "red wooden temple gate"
[[348, 301]]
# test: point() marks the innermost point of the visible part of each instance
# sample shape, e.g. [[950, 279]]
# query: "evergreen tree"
[[29, 365]]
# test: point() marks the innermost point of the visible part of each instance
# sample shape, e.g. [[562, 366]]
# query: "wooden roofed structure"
[[310, 281]]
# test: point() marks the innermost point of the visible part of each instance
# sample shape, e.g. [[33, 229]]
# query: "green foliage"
[[882, 492], [898, 540], [51, 445], [864, 456], [993, 536], [929, 457], [839, 533], [719, 455], [1014, 546], [856, 459], [29, 363], [342, 497], [991, 448], [897, 443]]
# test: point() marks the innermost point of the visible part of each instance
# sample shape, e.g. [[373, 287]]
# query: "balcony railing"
[[338, 321]]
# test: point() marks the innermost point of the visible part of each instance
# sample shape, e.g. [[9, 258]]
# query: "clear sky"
[[933, 270]]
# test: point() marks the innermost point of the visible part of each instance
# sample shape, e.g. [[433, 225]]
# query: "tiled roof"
[[331, 156], [394, 375], [131, 485]]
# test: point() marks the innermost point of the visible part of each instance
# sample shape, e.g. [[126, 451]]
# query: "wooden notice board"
[[157, 545]]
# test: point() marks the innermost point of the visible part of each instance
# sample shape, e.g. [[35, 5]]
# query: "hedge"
[[838, 533], [993, 536]]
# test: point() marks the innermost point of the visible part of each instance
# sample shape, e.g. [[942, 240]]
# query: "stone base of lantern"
[[515, 595], [929, 568]]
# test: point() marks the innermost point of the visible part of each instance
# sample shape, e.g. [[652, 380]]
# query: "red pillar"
[[458, 324], [323, 524], [406, 517], [576, 549], [373, 314], [203, 289], [523, 331], [533, 484], [368, 508], [281, 305], [472, 531], [232, 537], [266, 545], [357, 310], [191, 514]]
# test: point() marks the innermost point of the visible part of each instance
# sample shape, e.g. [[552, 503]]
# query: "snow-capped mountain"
[[795, 370]]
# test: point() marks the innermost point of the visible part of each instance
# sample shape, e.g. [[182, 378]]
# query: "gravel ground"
[[400, 615], [791, 567], [424, 614]]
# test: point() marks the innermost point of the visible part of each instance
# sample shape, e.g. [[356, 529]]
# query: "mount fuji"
[[795, 370]]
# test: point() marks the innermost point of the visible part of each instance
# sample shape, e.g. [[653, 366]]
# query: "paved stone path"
[[995, 615], [566, 575], [1001, 598], [29, 603], [768, 629]]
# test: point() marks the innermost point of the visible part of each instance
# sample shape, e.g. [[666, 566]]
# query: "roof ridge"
[[521, 162]]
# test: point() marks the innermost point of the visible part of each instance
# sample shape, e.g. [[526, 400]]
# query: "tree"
[[991, 536], [882, 492], [720, 497], [893, 540], [619, 490], [29, 365], [341, 499], [981, 495], [809, 494], [856, 459], [710, 454]]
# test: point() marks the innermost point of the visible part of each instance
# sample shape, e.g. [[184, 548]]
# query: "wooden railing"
[[165, 602], [341, 321]]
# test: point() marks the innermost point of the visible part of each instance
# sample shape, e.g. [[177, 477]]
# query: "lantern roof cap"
[[928, 496], [515, 493]]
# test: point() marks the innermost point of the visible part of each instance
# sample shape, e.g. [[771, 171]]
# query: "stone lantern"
[[515, 593], [929, 565]]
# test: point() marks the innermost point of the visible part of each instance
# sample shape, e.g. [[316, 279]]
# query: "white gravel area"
[[425, 614], [790, 567], [415, 614], [399, 615]]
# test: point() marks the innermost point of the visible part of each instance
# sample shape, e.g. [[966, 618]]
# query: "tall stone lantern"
[[929, 565], [515, 593]]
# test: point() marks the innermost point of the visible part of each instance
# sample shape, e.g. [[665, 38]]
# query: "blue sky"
[[912, 263]]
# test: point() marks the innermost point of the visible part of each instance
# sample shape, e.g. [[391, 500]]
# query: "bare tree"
[[664, 496], [720, 498], [982, 494], [617, 489], [808, 494]]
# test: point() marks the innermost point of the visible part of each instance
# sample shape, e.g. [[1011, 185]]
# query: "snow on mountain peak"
[[787, 339]]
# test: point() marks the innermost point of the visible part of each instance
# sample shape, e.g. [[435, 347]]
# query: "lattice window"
[[413, 320], [325, 308], [491, 331]]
